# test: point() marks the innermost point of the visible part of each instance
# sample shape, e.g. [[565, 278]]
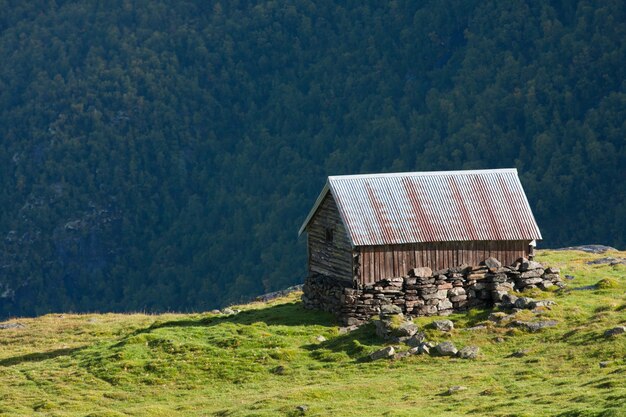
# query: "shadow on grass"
[[353, 344], [289, 314], [38, 356]]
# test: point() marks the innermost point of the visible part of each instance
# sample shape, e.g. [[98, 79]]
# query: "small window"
[[329, 234]]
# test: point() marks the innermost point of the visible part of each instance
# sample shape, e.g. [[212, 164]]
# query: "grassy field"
[[265, 361]]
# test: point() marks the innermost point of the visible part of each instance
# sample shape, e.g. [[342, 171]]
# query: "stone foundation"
[[425, 292]]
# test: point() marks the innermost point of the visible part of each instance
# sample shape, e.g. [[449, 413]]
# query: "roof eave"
[[319, 200]]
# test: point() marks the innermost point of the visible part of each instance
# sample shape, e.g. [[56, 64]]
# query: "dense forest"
[[161, 155]]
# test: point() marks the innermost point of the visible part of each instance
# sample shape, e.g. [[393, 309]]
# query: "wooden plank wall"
[[378, 262], [329, 258]]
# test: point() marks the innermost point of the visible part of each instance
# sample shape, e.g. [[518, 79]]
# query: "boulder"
[[421, 272], [390, 310], [456, 388], [492, 263], [535, 326], [5, 326], [445, 349], [384, 353], [468, 352], [443, 325], [415, 340], [524, 302]]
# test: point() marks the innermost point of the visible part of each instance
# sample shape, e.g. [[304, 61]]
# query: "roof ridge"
[[423, 173]]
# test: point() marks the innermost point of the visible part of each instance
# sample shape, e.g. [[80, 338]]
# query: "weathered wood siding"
[[377, 262], [329, 258]]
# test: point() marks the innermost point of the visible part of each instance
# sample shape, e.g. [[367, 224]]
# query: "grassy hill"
[[266, 361]]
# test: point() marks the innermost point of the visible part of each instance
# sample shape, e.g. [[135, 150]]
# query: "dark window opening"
[[329, 234]]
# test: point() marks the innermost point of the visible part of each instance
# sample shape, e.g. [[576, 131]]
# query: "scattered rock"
[[520, 353], [406, 329], [456, 388], [570, 277], [534, 326], [425, 348], [216, 311], [5, 326], [390, 310], [401, 355], [474, 328], [347, 329], [443, 325], [415, 340], [384, 353], [492, 263], [608, 260], [445, 349], [590, 248], [302, 408], [320, 339], [615, 331], [228, 311], [604, 364], [523, 302], [468, 352]]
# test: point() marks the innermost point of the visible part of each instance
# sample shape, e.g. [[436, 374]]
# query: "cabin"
[[366, 228]]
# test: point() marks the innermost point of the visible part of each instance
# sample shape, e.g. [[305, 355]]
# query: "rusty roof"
[[385, 209]]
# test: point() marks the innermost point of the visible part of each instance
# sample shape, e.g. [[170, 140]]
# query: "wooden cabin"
[[364, 228]]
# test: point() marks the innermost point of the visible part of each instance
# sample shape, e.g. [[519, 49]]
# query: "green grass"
[[265, 361]]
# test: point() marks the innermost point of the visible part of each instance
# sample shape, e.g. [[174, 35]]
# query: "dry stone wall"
[[425, 292]]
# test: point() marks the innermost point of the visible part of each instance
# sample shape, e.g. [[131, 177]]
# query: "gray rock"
[[445, 349], [425, 348], [523, 302], [456, 291], [384, 353], [416, 340], [390, 310], [615, 331], [590, 248], [407, 329], [541, 303], [468, 352], [228, 311], [535, 326], [443, 325], [216, 311], [401, 355], [604, 364], [302, 408], [5, 326], [414, 350], [456, 388], [608, 260], [492, 263], [421, 272], [320, 338], [519, 353]]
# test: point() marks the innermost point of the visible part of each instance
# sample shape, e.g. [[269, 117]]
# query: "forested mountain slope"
[[162, 155]]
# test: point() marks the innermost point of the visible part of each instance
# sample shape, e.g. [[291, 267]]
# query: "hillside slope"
[[161, 155], [267, 361]]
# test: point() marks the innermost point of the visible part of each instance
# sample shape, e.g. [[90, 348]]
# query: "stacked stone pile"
[[424, 292], [321, 292]]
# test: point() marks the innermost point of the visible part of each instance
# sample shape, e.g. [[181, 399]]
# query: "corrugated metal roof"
[[383, 209]]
